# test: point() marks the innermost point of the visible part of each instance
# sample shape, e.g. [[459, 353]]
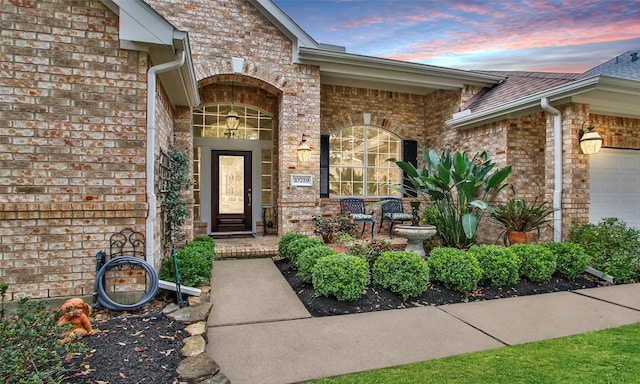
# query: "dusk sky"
[[527, 35]]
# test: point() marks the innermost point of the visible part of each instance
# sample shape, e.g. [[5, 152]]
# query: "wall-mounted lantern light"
[[304, 151], [233, 119], [590, 141]]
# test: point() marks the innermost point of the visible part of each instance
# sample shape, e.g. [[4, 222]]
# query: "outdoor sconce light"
[[304, 151], [590, 141]]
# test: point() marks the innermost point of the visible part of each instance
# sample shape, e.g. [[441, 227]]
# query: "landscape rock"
[[193, 345], [194, 300], [190, 315], [219, 378], [170, 308], [196, 329], [198, 367]]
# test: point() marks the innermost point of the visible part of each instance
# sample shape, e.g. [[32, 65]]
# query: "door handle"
[[249, 196]]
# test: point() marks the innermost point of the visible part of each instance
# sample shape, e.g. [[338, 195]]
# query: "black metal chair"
[[393, 211], [355, 207]]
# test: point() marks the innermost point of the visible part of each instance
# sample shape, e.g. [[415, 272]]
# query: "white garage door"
[[615, 185]]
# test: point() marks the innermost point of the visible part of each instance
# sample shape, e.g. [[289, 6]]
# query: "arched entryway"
[[234, 132]]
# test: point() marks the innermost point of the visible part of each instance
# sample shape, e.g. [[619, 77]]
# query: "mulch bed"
[[375, 299], [144, 346], [131, 347]]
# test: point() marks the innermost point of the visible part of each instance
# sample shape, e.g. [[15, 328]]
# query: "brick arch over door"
[[273, 81], [241, 89]]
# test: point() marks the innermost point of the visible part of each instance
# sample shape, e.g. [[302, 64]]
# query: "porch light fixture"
[[233, 119], [304, 151], [590, 141]]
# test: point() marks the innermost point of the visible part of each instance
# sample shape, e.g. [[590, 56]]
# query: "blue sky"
[[527, 35]]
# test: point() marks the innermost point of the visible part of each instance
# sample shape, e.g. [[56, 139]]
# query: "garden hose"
[[107, 302]]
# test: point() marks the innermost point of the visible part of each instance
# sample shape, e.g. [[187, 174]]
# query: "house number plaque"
[[302, 180]]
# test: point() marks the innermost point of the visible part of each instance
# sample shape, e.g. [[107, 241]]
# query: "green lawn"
[[608, 356]]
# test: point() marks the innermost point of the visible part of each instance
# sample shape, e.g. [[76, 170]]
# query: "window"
[[211, 121], [358, 163]]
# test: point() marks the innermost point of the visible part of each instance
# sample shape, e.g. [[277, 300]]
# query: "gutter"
[[341, 62], [557, 168], [151, 146]]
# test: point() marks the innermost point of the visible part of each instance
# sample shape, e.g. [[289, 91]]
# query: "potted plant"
[[331, 228], [519, 217]]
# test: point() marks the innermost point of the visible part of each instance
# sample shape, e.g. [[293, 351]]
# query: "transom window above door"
[[358, 163], [211, 121]]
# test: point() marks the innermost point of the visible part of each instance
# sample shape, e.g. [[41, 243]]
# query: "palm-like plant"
[[522, 216], [458, 185]]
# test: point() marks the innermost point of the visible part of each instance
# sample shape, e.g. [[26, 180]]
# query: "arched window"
[[211, 121], [358, 163]]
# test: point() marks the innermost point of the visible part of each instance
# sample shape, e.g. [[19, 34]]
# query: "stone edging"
[[197, 366]]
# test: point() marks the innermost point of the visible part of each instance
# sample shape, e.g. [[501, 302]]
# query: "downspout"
[[557, 168], [151, 148]]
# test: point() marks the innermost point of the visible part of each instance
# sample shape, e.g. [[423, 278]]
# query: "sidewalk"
[[259, 332]]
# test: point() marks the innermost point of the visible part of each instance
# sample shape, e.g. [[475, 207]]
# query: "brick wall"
[[222, 30], [72, 143], [617, 132]]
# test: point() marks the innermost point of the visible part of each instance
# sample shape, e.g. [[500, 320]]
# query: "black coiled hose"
[[107, 302]]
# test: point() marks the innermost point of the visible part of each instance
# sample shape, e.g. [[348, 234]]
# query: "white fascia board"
[[285, 24], [187, 71], [559, 94], [345, 64], [143, 29], [139, 23]]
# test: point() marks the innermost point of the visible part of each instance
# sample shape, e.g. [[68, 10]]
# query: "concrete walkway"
[[259, 332]]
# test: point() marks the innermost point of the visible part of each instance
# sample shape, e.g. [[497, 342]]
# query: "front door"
[[231, 186]]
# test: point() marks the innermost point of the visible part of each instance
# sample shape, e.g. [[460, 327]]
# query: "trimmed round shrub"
[[538, 263], [340, 275], [296, 247], [195, 262], [455, 267], [500, 266], [308, 259], [571, 260], [287, 239], [404, 273]]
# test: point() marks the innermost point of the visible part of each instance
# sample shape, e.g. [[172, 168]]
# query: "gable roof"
[[612, 88], [626, 66], [518, 85], [337, 67]]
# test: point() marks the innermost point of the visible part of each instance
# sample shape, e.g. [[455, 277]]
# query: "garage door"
[[615, 185]]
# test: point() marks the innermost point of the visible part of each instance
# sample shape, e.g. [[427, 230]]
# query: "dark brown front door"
[[231, 188]]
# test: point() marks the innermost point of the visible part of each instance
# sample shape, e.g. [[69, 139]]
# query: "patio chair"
[[355, 207], [393, 211]]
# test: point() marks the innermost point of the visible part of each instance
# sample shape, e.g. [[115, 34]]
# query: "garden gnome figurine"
[[76, 312]]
